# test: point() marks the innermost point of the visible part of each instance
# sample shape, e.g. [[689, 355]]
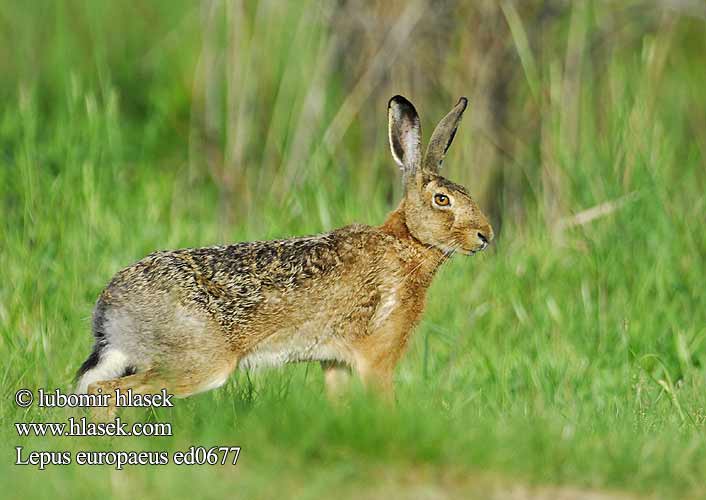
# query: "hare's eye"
[[442, 200]]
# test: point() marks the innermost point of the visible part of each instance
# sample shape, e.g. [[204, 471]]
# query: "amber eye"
[[442, 200]]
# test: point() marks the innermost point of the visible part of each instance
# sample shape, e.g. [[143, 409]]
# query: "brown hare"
[[185, 319]]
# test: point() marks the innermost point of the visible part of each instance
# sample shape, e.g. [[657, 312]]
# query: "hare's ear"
[[405, 134], [443, 136]]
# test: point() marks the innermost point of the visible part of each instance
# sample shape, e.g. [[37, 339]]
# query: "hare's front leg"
[[377, 375], [377, 354], [376, 359], [336, 377]]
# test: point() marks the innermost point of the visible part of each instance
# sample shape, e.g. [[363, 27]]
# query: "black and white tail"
[[105, 361]]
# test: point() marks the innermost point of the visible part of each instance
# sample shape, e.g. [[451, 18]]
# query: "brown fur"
[[185, 319]]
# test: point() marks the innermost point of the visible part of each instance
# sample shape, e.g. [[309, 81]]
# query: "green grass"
[[573, 357]]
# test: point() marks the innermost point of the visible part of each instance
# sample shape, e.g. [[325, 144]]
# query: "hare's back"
[[232, 282]]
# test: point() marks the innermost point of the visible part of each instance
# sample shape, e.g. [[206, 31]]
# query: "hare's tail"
[[105, 362]]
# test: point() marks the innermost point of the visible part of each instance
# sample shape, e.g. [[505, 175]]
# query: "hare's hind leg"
[[141, 383], [196, 360], [182, 382], [183, 362], [181, 349]]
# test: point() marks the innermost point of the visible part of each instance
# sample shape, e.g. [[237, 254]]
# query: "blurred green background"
[[567, 360]]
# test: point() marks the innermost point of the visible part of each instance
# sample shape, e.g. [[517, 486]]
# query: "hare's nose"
[[484, 237]]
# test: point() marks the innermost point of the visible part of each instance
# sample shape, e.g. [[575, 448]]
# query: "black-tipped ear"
[[405, 133], [443, 136]]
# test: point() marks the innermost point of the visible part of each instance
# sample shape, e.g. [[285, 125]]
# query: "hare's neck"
[[430, 258]]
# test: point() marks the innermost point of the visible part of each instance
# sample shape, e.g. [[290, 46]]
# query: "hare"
[[183, 320]]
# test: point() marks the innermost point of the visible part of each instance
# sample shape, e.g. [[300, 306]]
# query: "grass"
[[561, 357]]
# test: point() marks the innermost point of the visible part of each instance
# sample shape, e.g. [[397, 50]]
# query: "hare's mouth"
[[461, 251], [473, 251], [452, 249]]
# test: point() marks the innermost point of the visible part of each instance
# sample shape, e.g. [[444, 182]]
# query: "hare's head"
[[438, 212]]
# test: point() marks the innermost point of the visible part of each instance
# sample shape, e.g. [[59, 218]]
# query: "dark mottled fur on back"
[[229, 281]]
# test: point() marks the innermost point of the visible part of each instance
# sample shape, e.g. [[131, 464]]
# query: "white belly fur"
[[291, 346]]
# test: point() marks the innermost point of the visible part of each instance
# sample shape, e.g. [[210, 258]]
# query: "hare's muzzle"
[[483, 239]]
